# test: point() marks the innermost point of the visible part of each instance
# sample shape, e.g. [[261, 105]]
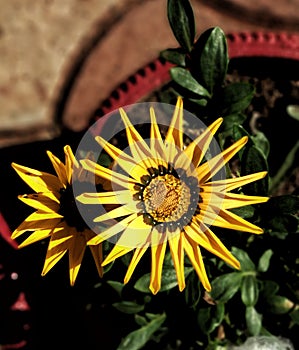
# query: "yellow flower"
[[56, 214], [165, 194]]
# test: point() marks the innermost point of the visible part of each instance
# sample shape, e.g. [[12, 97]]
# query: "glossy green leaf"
[[281, 225], [264, 261], [245, 261], [244, 212], [209, 318], [293, 111], [184, 78], [236, 97], [211, 52], [279, 304], [253, 321], [175, 56], [269, 288], [249, 290], [137, 339], [181, 20], [117, 286], [169, 280], [192, 291], [231, 120], [128, 307], [254, 161], [262, 143], [295, 316], [226, 286]]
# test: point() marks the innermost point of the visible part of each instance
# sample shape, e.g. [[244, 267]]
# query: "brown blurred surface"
[[60, 59]]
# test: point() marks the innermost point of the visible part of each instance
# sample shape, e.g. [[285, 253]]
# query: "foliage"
[[262, 297]]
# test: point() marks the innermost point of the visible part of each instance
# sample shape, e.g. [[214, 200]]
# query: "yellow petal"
[[111, 231], [77, 247], [233, 200], [130, 165], [97, 253], [115, 213], [204, 237], [108, 174], [117, 197], [226, 219], [36, 236], [138, 254], [212, 166], [139, 148], [175, 131], [41, 202], [39, 181], [196, 150], [232, 183], [158, 254], [177, 253], [37, 221], [194, 254], [70, 162], [156, 142], [59, 168]]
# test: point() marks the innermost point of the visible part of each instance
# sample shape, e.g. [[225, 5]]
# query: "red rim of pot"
[[156, 73]]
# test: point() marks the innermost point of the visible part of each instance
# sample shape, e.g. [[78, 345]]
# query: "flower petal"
[[232, 183], [138, 254], [41, 202], [111, 231], [76, 248], [177, 253], [212, 166], [226, 219], [59, 168], [70, 162], [194, 254], [196, 150], [158, 254], [108, 174], [204, 237], [115, 213], [36, 236], [130, 165], [174, 134], [39, 181], [117, 197]]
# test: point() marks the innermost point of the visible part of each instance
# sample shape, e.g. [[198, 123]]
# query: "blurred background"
[[61, 59]]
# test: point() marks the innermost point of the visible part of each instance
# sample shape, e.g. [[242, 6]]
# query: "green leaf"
[[137, 339], [245, 212], [184, 78], [140, 320], [117, 286], [269, 288], [293, 111], [253, 321], [249, 290], [245, 261], [295, 316], [192, 291], [236, 97], [226, 286], [128, 307], [281, 225], [280, 305], [210, 318], [285, 204], [231, 120], [104, 160], [254, 161], [264, 261], [169, 280], [239, 131], [262, 143], [175, 56], [211, 52], [181, 19]]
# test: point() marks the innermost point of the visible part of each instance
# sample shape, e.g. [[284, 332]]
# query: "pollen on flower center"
[[163, 198]]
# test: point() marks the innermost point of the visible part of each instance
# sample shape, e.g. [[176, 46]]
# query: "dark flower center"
[[70, 208]]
